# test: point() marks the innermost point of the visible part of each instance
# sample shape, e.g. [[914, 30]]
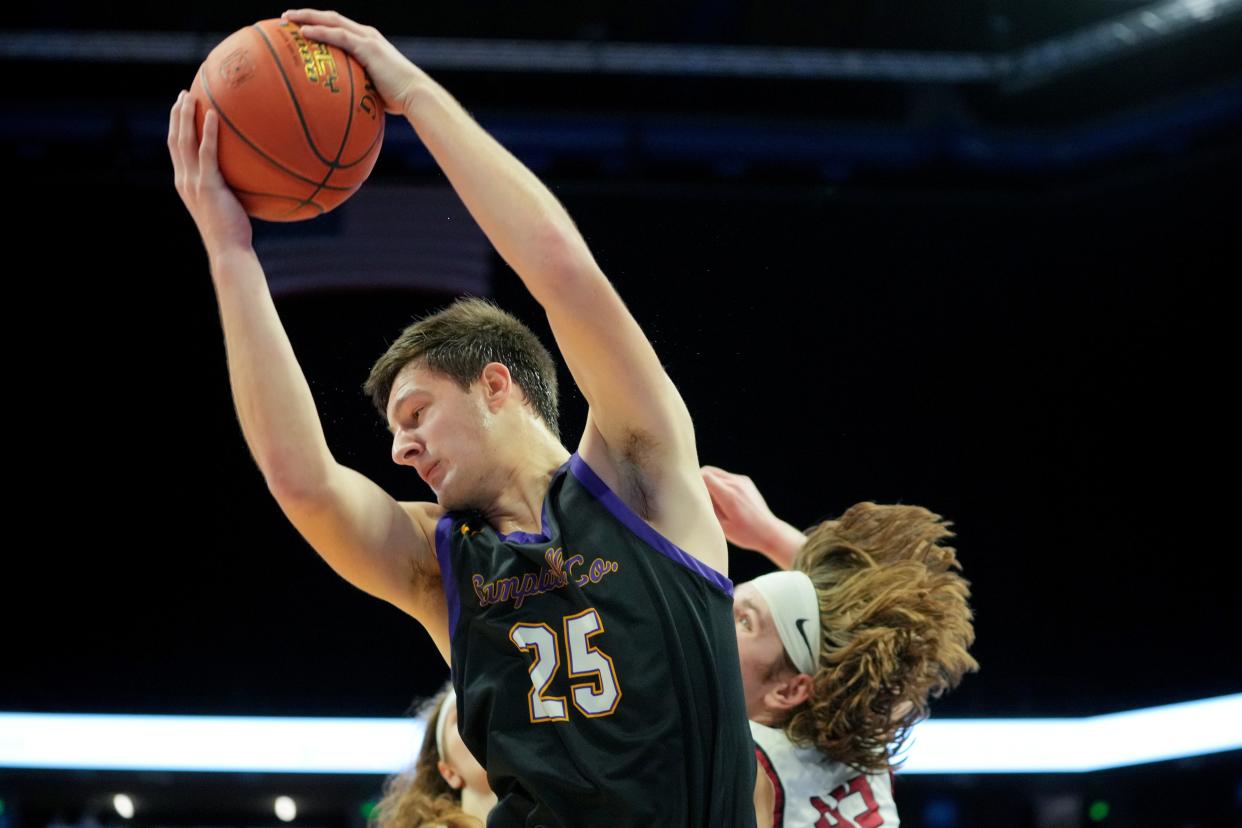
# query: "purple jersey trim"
[[543, 536], [444, 554], [641, 528]]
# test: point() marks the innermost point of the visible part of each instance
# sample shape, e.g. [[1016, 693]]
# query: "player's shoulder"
[[669, 496], [425, 516]]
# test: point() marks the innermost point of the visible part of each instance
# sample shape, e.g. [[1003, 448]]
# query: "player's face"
[[758, 645], [441, 432], [459, 758]]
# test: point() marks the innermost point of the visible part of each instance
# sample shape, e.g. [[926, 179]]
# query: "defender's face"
[[759, 645], [441, 432], [459, 758]]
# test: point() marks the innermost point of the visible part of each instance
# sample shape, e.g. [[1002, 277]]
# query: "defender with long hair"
[[842, 651], [445, 787]]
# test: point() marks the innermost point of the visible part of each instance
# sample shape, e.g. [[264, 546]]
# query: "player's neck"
[[476, 803], [519, 504], [771, 717]]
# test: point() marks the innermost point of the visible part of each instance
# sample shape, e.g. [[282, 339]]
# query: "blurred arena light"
[[383, 746]]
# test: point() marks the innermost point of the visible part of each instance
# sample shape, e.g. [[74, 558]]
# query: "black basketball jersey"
[[596, 668]]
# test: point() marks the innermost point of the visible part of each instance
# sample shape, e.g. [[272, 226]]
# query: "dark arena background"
[[975, 256]]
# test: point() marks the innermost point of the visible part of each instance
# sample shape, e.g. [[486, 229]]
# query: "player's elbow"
[[563, 261], [295, 485]]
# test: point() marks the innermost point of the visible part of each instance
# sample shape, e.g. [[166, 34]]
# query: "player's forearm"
[[270, 393], [524, 221], [782, 543]]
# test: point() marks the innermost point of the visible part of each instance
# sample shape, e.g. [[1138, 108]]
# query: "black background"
[[1041, 354]]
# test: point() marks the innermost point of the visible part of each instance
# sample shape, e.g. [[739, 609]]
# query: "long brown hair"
[[420, 797], [896, 626]]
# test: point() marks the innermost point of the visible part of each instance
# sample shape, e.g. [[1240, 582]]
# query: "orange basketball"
[[300, 122]]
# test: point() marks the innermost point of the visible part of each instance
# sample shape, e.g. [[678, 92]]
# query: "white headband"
[[450, 699], [795, 611]]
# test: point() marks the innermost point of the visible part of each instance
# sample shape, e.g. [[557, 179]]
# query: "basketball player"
[[582, 599], [446, 786], [842, 650]]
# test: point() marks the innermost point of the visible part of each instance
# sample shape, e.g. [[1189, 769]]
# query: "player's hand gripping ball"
[[300, 123]]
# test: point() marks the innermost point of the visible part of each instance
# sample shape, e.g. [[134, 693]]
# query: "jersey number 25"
[[598, 696]]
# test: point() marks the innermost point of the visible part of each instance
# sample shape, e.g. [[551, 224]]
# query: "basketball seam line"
[[280, 67], [300, 202], [305, 129], [378, 136], [227, 122], [349, 70]]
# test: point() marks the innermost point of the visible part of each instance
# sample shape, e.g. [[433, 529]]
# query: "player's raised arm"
[[366, 536], [639, 438], [747, 520]]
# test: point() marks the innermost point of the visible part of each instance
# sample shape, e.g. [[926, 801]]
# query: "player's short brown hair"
[[458, 342]]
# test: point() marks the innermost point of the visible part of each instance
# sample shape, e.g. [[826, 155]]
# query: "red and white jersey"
[[813, 792]]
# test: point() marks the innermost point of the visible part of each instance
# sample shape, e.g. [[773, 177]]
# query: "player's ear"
[[792, 691], [450, 774], [497, 384]]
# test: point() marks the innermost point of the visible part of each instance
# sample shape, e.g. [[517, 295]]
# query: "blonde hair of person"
[[895, 629], [420, 797]]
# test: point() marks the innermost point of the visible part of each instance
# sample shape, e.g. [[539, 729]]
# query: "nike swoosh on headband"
[[805, 640]]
